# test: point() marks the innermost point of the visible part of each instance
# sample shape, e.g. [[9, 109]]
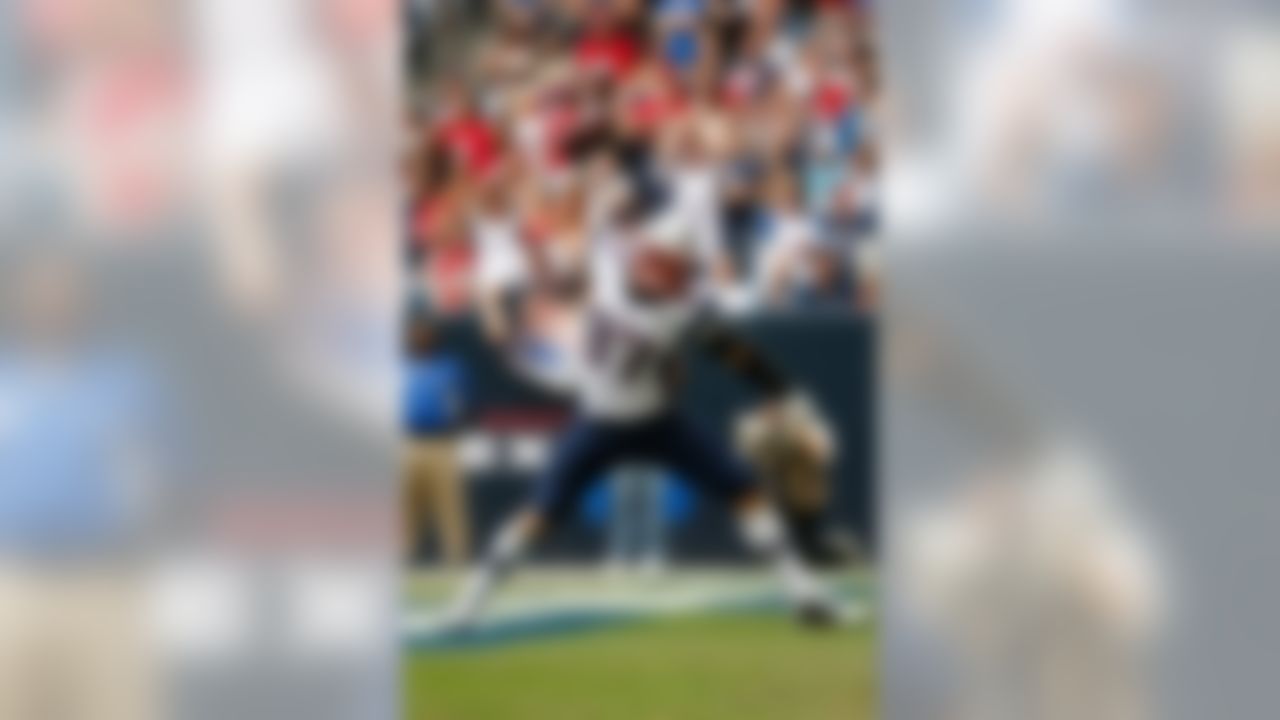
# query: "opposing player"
[[643, 304]]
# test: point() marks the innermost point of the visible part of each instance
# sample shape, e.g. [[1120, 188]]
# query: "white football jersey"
[[630, 348]]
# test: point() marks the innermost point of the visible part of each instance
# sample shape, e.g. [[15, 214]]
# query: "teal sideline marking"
[[572, 621]]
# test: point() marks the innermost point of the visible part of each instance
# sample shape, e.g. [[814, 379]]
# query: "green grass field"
[[698, 665]]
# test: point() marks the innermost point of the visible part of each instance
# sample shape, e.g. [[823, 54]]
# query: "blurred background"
[[1076, 396], [218, 216], [198, 359]]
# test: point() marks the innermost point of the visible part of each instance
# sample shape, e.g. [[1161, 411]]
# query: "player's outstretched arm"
[[739, 355], [788, 410]]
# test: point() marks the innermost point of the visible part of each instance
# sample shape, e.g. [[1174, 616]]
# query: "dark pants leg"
[[703, 460], [590, 448], [584, 453]]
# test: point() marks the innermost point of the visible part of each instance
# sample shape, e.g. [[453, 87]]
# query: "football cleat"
[[817, 614]]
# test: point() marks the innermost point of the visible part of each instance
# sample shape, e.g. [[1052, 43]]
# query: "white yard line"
[[668, 597]]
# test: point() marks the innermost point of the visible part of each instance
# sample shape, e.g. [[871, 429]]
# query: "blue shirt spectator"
[[76, 438], [434, 395], [435, 399]]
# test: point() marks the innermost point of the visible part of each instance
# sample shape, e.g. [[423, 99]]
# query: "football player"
[[645, 301]]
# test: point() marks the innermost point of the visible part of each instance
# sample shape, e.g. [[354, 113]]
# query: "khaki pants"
[[432, 495], [73, 645]]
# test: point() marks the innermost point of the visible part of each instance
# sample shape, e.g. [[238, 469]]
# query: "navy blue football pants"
[[591, 447]]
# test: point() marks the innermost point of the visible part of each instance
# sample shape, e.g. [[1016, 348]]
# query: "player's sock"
[[763, 532], [503, 556]]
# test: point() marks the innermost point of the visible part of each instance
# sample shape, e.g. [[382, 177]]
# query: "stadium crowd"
[[757, 119]]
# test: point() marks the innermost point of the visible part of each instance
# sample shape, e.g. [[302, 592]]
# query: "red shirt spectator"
[[832, 96], [449, 269], [650, 110], [429, 220], [614, 52], [650, 100], [471, 141]]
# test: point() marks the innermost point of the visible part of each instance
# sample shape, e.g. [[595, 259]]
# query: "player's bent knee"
[[762, 528]]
